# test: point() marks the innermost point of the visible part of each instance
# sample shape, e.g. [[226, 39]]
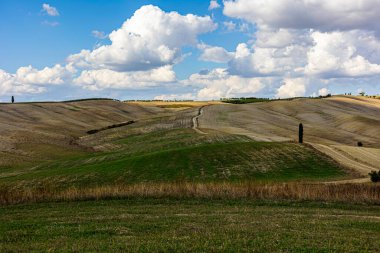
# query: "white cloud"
[[30, 80], [292, 88], [99, 34], [47, 76], [151, 38], [214, 54], [105, 78], [343, 54], [323, 15], [280, 38], [268, 60], [314, 39], [50, 10], [213, 5], [217, 83], [323, 92]]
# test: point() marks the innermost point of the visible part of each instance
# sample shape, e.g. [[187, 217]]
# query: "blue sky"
[[242, 48], [30, 41]]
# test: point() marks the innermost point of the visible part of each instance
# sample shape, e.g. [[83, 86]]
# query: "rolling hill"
[[332, 125]]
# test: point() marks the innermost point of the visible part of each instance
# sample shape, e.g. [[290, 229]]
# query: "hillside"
[[30, 131], [333, 125]]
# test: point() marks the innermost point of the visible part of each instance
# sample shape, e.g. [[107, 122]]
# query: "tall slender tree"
[[300, 133], [13, 99]]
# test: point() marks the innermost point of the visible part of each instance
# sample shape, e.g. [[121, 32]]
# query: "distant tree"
[[300, 133], [360, 144], [362, 93], [13, 99]]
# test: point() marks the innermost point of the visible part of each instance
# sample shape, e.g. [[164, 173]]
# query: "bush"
[[360, 144], [375, 176]]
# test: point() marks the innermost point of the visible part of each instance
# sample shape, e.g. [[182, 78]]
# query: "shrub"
[[360, 144], [375, 176]]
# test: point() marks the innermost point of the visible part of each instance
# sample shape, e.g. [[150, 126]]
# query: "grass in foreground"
[[193, 225]]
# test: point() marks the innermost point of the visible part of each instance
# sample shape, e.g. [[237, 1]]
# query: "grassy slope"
[[190, 225], [183, 155]]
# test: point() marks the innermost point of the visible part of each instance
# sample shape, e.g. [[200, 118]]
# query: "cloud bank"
[[297, 48], [304, 41]]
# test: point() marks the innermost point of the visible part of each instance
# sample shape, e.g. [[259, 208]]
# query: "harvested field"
[[33, 132], [333, 125]]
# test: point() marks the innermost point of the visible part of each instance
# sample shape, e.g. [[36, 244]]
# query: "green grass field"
[[182, 154], [168, 225]]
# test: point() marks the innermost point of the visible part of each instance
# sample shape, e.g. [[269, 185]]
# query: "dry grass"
[[348, 193], [337, 120]]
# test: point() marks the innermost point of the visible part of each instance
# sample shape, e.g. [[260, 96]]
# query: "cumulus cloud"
[[53, 76], [307, 41], [214, 54], [50, 10], [298, 46], [292, 88], [323, 15], [345, 54], [9, 87], [294, 53], [151, 38], [267, 61], [106, 78], [213, 5], [31, 80], [217, 83]]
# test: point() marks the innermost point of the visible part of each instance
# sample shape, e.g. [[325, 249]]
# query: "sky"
[[197, 50]]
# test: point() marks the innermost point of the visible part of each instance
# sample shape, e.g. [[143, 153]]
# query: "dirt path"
[[195, 121]]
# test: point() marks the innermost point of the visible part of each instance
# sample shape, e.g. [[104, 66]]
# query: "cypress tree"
[[13, 99], [300, 133]]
